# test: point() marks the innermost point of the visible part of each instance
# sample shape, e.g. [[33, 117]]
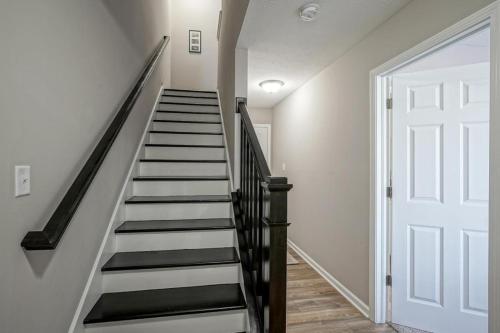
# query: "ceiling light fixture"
[[309, 12], [271, 86]]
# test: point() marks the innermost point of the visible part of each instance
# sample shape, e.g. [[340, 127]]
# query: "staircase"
[[176, 267]]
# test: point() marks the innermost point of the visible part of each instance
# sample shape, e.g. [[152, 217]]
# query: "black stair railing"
[[261, 218], [49, 237]]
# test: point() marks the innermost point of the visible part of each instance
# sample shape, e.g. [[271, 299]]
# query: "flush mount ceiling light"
[[309, 12], [271, 86]]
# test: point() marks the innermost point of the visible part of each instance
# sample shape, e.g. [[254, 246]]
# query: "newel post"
[[274, 253]]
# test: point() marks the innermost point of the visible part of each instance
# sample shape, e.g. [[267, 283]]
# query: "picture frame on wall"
[[194, 41]]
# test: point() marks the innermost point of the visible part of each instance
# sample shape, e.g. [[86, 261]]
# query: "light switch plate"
[[22, 180]]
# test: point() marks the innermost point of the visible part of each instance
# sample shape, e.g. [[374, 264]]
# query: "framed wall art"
[[194, 41]]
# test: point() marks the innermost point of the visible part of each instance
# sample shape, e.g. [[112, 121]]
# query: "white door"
[[440, 199], [263, 132]]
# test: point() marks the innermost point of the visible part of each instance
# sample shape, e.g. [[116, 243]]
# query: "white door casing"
[[440, 199], [263, 132]]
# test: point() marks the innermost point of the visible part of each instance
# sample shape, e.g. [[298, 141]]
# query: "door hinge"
[[389, 192], [388, 103], [388, 280]]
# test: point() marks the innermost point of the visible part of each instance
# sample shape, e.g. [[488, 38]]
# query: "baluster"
[[255, 216], [242, 159], [260, 217], [250, 207], [243, 173], [245, 197]]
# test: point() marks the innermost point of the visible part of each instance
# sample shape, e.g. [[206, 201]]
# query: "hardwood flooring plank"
[[313, 305]]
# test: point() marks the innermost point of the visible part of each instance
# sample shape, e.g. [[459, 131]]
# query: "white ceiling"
[[281, 46], [472, 49]]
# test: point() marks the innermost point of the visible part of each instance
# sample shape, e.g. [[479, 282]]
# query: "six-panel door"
[[440, 199]]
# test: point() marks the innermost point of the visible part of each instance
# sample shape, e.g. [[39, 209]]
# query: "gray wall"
[[65, 67], [196, 71], [233, 14], [322, 133], [260, 115]]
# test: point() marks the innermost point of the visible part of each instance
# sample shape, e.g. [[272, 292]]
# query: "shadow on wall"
[[143, 23]]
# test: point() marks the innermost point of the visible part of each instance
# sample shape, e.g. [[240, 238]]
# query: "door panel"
[[474, 272], [440, 166], [425, 163], [474, 141], [425, 264]]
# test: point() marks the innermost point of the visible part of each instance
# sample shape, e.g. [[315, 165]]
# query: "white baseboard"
[[349, 295], [78, 316]]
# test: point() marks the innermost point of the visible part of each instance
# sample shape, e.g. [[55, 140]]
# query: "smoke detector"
[[309, 12]]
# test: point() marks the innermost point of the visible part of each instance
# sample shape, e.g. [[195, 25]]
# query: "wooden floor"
[[315, 306]]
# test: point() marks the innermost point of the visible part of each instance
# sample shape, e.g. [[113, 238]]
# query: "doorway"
[[263, 132], [431, 182]]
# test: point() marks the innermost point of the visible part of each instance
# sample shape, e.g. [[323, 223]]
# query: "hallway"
[[315, 306]]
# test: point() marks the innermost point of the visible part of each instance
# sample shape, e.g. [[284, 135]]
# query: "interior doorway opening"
[[426, 155]]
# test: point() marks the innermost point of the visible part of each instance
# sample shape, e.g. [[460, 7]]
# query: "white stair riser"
[[182, 169], [205, 187], [187, 127], [180, 107], [178, 99], [157, 241], [175, 211], [190, 93], [170, 277], [187, 116], [185, 153], [215, 322], [186, 139]]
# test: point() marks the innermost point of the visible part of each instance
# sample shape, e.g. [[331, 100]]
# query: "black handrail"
[[49, 237], [260, 209]]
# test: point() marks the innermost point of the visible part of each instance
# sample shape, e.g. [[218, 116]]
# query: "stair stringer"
[[233, 216]]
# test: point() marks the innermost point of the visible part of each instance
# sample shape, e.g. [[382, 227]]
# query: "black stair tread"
[[181, 132], [182, 146], [180, 161], [171, 258], [179, 178], [207, 97], [175, 225], [166, 302], [178, 199], [190, 104], [188, 112], [187, 121], [196, 91]]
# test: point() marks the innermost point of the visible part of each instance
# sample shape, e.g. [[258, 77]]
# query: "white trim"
[[226, 149], [269, 135], [494, 228], [77, 318], [349, 295], [378, 202]]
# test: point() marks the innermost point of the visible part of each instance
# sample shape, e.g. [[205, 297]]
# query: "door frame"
[[488, 16], [269, 137]]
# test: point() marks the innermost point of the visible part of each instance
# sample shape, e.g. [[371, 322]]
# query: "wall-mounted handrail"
[[261, 219], [49, 237]]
